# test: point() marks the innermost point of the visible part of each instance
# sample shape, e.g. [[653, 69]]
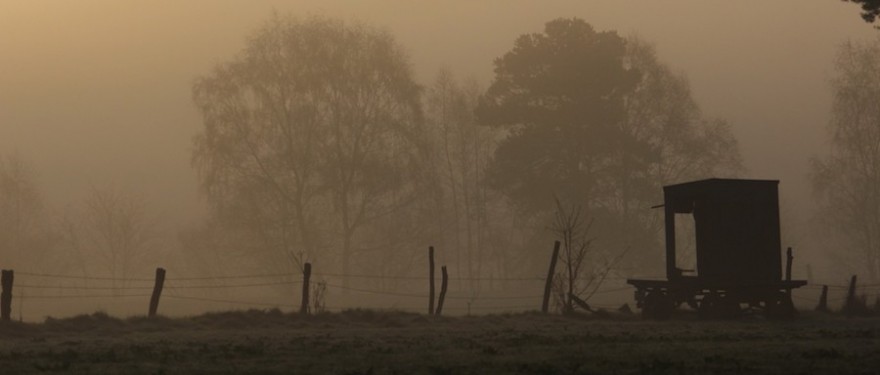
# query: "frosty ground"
[[370, 342]]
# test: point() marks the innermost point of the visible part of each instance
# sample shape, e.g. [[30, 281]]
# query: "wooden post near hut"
[[851, 291], [823, 300], [443, 285], [307, 275], [850, 306], [549, 282], [6, 277], [431, 280], [788, 259], [157, 291]]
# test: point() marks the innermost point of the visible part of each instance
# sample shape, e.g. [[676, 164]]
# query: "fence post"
[[549, 283], [823, 300], [6, 277], [443, 285], [430, 280], [157, 291], [307, 275], [850, 306], [788, 259]]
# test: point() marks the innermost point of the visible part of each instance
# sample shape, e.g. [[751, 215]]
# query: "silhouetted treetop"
[[870, 9], [569, 73]]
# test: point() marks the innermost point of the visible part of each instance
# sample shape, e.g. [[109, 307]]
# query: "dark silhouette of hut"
[[738, 252]]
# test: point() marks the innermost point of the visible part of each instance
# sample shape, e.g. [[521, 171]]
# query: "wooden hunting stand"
[[738, 252]]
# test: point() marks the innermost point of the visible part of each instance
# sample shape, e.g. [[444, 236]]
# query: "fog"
[[99, 93]]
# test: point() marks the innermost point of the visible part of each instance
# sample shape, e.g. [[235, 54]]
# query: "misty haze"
[[444, 187]]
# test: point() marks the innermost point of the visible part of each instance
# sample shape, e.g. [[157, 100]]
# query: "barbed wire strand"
[[203, 299], [220, 286], [86, 296], [275, 275], [408, 308], [58, 276], [27, 286], [250, 276], [287, 305], [167, 286], [414, 295], [392, 277]]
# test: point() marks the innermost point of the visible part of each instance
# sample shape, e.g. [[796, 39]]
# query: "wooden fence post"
[[823, 300], [850, 305], [157, 291], [307, 275], [788, 259], [549, 283], [6, 277], [431, 280], [443, 285]]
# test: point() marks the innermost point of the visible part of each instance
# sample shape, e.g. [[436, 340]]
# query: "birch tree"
[[846, 181], [309, 135]]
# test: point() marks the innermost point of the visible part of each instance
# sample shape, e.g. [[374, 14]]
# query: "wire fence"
[[47, 286]]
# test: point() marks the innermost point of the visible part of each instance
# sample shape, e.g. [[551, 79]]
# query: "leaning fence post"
[[6, 277], [443, 285], [849, 307], [307, 275], [157, 291], [549, 283], [823, 300], [430, 280], [789, 258]]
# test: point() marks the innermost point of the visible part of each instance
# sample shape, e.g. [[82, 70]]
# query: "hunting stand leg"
[[657, 304], [780, 307], [715, 305]]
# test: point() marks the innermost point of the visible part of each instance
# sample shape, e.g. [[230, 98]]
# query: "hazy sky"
[[98, 92]]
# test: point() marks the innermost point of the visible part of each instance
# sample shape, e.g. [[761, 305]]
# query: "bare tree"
[[373, 122], [308, 138], [111, 234], [571, 228], [846, 181], [584, 269], [258, 156], [461, 151], [25, 234]]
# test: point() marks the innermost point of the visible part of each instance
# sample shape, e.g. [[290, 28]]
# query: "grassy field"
[[369, 342]]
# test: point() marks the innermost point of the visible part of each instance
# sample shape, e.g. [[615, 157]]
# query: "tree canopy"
[[562, 92], [595, 120]]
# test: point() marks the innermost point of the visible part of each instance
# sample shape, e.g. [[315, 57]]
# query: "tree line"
[[317, 144]]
